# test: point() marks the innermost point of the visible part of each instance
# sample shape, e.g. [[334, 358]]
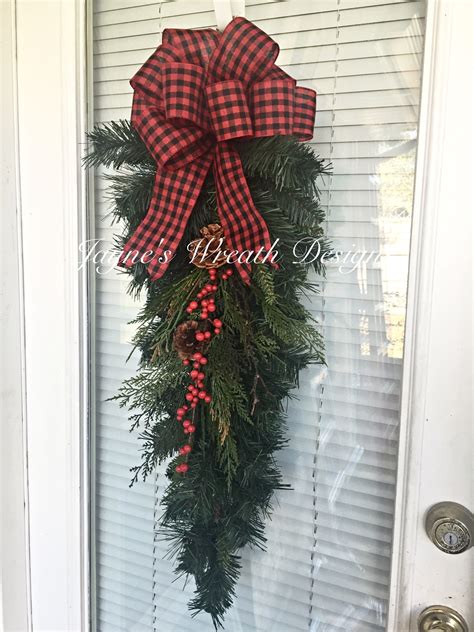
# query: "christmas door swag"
[[213, 163]]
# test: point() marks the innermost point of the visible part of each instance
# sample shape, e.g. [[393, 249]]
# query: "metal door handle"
[[441, 618]]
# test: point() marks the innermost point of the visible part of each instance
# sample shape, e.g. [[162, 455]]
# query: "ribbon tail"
[[174, 196], [244, 227]]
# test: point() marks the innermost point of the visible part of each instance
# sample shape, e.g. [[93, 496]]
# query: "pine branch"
[[116, 144]]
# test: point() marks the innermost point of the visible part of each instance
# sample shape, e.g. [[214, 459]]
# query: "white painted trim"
[[15, 610], [84, 34], [90, 457], [51, 116], [443, 48]]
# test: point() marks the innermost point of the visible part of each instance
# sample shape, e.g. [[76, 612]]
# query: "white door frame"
[[51, 121], [48, 62], [436, 430]]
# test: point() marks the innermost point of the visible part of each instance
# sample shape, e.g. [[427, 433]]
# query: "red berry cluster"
[[196, 391]]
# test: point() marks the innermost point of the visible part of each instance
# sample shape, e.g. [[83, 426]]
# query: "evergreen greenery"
[[222, 502]]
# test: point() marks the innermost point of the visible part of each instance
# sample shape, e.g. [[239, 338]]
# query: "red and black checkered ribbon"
[[199, 91]]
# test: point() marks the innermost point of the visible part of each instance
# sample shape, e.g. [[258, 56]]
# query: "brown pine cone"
[[214, 256], [184, 339]]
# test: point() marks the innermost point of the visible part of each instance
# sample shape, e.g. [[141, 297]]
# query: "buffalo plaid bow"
[[195, 94]]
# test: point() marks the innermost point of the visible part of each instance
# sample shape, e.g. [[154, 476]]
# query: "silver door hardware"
[[441, 618], [450, 527]]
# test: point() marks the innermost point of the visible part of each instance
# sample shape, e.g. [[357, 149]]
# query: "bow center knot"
[[220, 107], [183, 89], [229, 111]]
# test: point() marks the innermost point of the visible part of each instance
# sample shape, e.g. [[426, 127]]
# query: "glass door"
[[329, 542]]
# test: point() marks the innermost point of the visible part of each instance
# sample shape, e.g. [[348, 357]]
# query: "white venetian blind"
[[328, 558]]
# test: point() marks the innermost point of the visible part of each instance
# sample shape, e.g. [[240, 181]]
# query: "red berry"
[[189, 397], [208, 287], [182, 451], [185, 406], [190, 387], [191, 429], [200, 384], [202, 394], [197, 355], [200, 336], [229, 272], [211, 308], [195, 400], [180, 411], [178, 469], [186, 362], [184, 467], [203, 360], [214, 288], [193, 304], [193, 405], [204, 315], [200, 375], [207, 399], [207, 335], [186, 423], [189, 310], [187, 448], [205, 303], [194, 391], [194, 374], [217, 331], [196, 365], [217, 323], [186, 431]]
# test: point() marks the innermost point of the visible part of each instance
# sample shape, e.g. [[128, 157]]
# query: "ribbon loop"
[[192, 46], [228, 110], [305, 111], [245, 52], [183, 90], [273, 106], [171, 145]]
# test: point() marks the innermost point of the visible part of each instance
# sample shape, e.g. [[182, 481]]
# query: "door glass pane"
[[328, 559]]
